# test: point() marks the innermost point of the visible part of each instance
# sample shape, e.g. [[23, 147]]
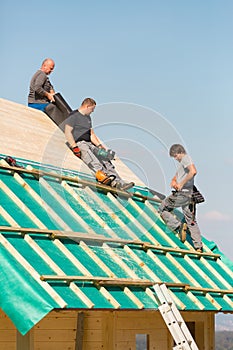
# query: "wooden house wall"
[[7, 333], [109, 330]]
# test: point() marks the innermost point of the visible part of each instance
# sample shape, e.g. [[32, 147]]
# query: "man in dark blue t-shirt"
[[86, 145]]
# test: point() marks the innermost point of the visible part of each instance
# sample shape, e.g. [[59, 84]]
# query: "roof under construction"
[[66, 242]]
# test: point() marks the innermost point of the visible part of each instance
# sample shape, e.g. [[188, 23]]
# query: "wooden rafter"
[[130, 282], [102, 239], [77, 180]]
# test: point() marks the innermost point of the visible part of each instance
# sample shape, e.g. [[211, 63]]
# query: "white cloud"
[[215, 215]]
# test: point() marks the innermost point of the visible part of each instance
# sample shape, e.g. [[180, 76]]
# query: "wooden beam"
[[108, 295], [182, 251], [180, 267], [75, 179], [109, 329], [100, 238], [131, 282], [209, 290], [141, 264], [216, 274], [8, 217], [57, 269], [79, 331], [162, 266], [97, 259], [85, 271], [153, 224], [200, 272], [41, 202], [132, 219], [99, 280], [21, 205], [25, 342]]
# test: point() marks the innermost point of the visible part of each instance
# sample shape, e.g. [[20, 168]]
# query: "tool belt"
[[197, 197], [194, 194]]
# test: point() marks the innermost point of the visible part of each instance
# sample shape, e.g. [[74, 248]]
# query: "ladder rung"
[[174, 320]]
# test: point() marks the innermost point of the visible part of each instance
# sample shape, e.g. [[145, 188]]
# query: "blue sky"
[[160, 71]]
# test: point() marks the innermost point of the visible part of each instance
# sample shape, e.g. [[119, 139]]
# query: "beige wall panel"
[[107, 330], [204, 328], [8, 346], [93, 346], [92, 335], [7, 333], [5, 323], [92, 322], [54, 346], [56, 323], [55, 335]]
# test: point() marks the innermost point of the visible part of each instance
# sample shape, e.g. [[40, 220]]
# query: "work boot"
[[199, 250], [182, 232], [104, 178]]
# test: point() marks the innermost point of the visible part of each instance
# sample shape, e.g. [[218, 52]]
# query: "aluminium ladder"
[[174, 320]]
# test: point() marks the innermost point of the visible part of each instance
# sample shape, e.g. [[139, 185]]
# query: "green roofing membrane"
[[22, 298], [26, 299]]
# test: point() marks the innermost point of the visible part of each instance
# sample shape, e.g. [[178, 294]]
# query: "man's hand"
[[101, 146], [50, 97], [174, 183], [178, 187]]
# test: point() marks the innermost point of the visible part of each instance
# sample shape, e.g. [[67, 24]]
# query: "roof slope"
[[67, 244], [37, 138]]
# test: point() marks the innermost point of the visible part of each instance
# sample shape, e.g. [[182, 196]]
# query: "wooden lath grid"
[[54, 175], [76, 180], [93, 238]]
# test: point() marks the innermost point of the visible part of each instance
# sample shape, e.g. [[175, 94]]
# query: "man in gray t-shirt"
[[185, 167], [41, 90], [86, 145], [182, 183]]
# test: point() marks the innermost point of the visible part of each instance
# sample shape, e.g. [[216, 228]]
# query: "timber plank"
[[7, 335], [67, 345], [54, 335]]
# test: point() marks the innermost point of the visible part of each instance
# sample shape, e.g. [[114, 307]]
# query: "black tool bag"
[[61, 103], [197, 197], [59, 110]]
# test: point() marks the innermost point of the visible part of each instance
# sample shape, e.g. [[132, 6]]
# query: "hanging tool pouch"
[[197, 197]]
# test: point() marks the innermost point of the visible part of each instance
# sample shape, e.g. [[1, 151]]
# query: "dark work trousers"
[[95, 164], [181, 199]]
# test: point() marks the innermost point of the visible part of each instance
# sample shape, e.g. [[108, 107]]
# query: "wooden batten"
[[79, 331], [25, 342]]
